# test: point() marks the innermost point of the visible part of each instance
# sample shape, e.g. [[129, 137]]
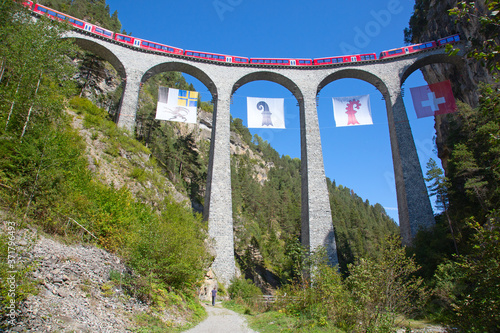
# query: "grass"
[[276, 321]]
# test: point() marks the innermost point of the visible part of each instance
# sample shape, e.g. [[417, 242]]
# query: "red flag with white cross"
[[433, 99]]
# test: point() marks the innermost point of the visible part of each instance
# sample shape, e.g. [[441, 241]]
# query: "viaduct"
[[136, 66]]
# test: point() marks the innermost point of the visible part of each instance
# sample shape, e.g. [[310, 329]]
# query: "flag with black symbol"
[[177, 105], [352, 111], [265, 112]]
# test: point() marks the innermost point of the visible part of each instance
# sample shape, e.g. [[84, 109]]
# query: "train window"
[[43, 10], [428, 45], [62, 17], [75, 22], [51, 13], [189, 53]]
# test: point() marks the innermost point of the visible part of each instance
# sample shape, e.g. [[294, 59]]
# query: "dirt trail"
[[221, 320]]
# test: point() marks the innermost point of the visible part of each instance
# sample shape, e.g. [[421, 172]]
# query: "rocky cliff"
[[431, 21]]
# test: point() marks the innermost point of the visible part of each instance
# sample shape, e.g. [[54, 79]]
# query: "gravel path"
[[221, 320]]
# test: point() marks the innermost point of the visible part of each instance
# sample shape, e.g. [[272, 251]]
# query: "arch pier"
[[223, 79]]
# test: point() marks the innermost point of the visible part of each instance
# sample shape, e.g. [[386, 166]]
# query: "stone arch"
[[353, 73], [176, 66], [429, 60], [272, 77], [101, 51]]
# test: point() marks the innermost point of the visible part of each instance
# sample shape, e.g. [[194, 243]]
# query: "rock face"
[[464, 80], [75, 293]]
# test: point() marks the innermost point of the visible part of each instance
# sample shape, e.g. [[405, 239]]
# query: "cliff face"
[[431, 21]]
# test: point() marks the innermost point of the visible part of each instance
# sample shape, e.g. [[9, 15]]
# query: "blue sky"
[[356, 157]]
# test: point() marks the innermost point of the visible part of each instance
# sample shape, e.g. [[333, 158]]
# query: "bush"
[[383, 288], [469, 287], [244, 289]]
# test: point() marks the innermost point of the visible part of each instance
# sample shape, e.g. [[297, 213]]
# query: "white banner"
[[354, 110], [177, 105], [265, 112]]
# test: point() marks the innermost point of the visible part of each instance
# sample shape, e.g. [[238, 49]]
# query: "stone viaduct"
[[135, 66]]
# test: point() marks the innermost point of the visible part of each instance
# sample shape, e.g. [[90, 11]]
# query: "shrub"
[[244, 289], [384, 287]]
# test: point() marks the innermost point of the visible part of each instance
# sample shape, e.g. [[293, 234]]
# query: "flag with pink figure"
[[351, 111]]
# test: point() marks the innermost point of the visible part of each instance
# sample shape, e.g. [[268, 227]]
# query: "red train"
[[448, 40], [157, 47], [407, 49], [281, 61], [216, 57], [344, 59], [146, 45]]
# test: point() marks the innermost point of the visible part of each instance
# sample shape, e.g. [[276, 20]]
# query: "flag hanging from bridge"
[[354, 110], [433, 99], [265, 112], [176, 105]]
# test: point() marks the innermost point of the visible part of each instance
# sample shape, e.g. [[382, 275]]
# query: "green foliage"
[[183, 161], [243, 288], [384, 287], [359, 227], [170, 248], [96, 11], [485, 47], [468, 288], [34, 70]]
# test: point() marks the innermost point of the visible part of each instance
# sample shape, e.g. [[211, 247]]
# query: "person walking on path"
[[214, 294]]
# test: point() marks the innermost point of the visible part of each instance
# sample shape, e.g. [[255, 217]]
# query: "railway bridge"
[[136, 66]]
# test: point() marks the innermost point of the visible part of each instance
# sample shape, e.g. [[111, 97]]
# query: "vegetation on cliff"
[[461, 257]]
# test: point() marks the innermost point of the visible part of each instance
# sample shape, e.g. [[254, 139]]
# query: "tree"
[[487, 47], [439, 188], [470, 286], [34, 55], [385, 286]]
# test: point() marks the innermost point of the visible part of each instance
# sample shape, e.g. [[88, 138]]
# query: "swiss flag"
[[433, 99]]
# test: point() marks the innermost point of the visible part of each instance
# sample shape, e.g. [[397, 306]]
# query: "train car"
[[152, 46], [237, 60], [407, 49], [146, 45], [28, 4], [344, 59], [281, 61], [448, 40], [216, 57], [55, 15], [127, 39]]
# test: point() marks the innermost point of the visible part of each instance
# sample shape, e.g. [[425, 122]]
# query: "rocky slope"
[[75, 293]]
